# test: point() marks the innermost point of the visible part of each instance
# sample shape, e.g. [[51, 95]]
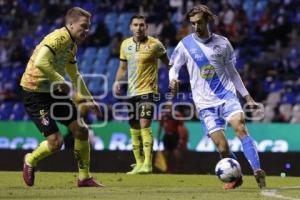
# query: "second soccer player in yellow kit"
[[139, 56]]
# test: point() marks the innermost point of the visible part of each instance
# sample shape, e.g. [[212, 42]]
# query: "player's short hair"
[[74, 13], [137, 16], [201, 9]]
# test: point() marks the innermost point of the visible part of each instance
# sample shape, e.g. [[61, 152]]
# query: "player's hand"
[[117, 88], [251, 103], [174, 86], [94, 107], [64, 87]]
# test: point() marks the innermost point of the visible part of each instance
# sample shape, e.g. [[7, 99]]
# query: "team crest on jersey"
[[217, 51], [146, 47], [207, 71], [45, 121]]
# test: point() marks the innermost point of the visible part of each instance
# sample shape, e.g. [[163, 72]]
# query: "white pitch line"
[[272, 193], [291, 187]]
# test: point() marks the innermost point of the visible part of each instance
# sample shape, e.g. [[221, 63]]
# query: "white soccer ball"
[[228, 170]]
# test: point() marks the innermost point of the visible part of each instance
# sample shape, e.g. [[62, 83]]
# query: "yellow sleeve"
[[122, 52], [78, 81], [43, 62], [160, 49]]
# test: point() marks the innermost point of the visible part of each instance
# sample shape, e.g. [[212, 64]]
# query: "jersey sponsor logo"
[[207, 72], [198, 56]]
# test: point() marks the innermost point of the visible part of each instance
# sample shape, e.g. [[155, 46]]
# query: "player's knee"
[[145, 123], [81, 133], [55, 144], [134, 124]]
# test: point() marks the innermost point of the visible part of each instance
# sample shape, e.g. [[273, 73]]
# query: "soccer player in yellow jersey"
[[139, 56], [46, 100]]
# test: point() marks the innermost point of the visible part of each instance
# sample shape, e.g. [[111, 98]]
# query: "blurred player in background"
[[214, 80], [139, 56], [52, 58], [175, 140]]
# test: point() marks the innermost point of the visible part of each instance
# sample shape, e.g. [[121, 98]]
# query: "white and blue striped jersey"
[[210, 64]]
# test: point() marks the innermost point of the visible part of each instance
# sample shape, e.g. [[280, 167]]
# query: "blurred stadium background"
[[264, 33]]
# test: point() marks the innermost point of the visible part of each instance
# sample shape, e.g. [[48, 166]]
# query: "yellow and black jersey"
[[142, 64], [52, 58], [63, 48]]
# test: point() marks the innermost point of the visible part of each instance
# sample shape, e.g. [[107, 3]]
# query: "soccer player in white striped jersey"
[[214, 80]]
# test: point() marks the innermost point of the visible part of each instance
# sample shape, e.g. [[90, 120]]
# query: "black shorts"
[[38, 107], [171, 141], [142, 106]]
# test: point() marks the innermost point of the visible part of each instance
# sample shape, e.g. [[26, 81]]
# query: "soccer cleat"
[[135, 169], [233, 184], [145, 169], [89, 182], [28, 172], [260, 177]]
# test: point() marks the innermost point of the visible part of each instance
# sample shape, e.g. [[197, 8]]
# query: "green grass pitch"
[[118, 186]]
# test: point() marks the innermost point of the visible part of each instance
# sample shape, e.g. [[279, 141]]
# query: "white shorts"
[[216, 118]]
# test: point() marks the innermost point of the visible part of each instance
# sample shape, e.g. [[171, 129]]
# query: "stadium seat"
[[90, 54], [86, 66], [273, 98], [5, 110], [124, 18], [99, 66], [90, 6], [112, 68], [34, 8], [285, 111], [27, 42], [295, 114], [95, 86], [16, 116], [3, 31], [111, 20], [103, 53], [269, 113]]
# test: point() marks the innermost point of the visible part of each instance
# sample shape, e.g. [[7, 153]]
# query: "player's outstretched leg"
[[82, 154], [28, 172], [31, 160], [260, 177], [251, 154]]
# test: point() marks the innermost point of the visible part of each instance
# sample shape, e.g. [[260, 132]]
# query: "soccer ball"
[[228, 170]]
